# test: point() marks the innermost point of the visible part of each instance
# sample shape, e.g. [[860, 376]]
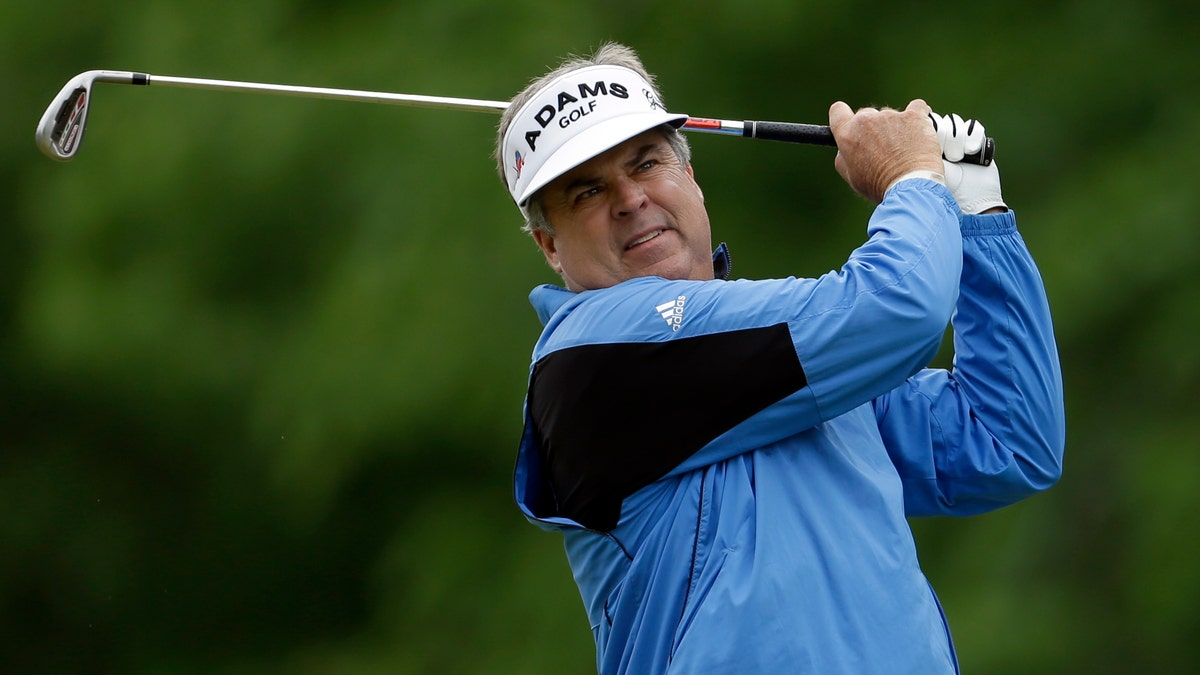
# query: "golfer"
[[731, 463]]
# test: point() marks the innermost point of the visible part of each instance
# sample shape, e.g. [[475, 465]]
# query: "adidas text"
[[672, 312]]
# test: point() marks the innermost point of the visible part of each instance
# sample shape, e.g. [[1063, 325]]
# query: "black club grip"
[[816, 134]]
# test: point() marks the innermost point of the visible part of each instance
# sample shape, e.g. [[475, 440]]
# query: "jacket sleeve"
[[623, 392], [854, 333], [990, 431]]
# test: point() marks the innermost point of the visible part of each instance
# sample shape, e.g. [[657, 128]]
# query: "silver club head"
[[61, 128]]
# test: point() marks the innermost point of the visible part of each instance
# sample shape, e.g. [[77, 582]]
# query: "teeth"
[[646, 238]]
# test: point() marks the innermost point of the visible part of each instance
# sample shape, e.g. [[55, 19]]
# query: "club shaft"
[[782, 131]]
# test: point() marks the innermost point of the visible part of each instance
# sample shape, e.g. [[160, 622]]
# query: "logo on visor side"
[[519, 164], [570, 108], [655, 104]]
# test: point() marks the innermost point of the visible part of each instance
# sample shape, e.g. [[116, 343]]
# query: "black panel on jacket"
[[612, 418]]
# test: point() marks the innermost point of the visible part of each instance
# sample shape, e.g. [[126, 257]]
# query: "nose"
[[628, 197]]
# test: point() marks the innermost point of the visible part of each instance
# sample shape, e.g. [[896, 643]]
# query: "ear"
[[546, 243], [692, 174]]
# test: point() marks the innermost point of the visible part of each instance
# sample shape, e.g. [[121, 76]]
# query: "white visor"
[[574, 118]]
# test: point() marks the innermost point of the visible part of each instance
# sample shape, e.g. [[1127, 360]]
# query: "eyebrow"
[[638, 157]]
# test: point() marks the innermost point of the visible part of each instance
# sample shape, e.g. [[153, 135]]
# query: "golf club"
[[60, 131]]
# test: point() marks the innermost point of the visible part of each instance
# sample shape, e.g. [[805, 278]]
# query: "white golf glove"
[[976, 188]]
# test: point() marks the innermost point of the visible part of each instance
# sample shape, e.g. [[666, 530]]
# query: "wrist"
[[935, 176]]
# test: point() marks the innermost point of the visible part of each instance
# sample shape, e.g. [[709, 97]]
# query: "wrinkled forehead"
[[574, 118]]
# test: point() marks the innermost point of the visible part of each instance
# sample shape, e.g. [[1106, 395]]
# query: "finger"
[[941, 127], [956, 132], [975, 138], [839, 165]]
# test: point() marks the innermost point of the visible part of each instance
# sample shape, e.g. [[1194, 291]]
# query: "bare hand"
[[875, 147]]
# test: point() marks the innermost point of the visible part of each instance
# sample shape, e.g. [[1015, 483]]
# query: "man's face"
[[633, 211]]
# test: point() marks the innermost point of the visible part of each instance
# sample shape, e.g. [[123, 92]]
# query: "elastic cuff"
[[996, 224], [919, 173]]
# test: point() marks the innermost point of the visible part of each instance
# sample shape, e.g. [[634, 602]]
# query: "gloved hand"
[[975, 188]]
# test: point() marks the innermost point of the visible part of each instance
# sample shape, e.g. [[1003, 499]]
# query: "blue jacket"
[[731, 463]]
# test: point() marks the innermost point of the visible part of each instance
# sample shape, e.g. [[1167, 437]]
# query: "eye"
[[647, 165], [586, 194]]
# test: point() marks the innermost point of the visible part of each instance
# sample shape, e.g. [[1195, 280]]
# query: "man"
[[731, 463]]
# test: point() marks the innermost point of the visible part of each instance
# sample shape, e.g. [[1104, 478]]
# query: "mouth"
[[644, 238]]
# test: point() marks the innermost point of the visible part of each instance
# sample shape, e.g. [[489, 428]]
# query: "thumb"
[[839, 114], [953, 173], [919, 105]]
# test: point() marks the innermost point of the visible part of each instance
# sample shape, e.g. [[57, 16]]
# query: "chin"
[[673, 273]]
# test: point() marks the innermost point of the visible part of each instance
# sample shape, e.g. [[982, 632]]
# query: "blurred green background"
[[262, 359]]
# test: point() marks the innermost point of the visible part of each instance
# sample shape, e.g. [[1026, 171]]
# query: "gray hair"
[[609, 54]]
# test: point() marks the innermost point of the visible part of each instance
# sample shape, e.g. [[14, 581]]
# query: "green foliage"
[[262, 359]]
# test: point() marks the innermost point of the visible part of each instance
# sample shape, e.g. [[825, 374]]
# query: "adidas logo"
[[672, 312]]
